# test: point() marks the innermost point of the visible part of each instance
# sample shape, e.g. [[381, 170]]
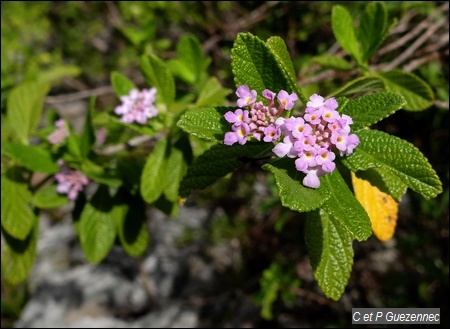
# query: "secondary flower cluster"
[[70, 181], [312, 139], [60, 134], [137, 106]]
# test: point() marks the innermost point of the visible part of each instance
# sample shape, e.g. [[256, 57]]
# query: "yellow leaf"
[[381, 208]]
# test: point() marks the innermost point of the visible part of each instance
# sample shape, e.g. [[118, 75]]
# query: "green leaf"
[[97, 225], [358, 85], [153, 178], [190, 61], [99, 174], [32, 157], [417, 93], [330, 252], [179, 159], [372, 29], [344, 31], [158, 75], [207, 123], [132, 224], [217, 162], [254, 64], [213, 94], [24, 108], [344, 207], [369, 109], [18, 255], [48, 198], [278, 48], [332, 62], [87, 138], [378, 149], [293, 194], [17, 216], [121, 84]]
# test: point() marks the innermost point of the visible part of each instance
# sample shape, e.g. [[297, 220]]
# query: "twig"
[[135, 141], [410, 51], [79, 95], [414, 32]]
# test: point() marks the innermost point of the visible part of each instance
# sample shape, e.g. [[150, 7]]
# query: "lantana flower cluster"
[[312, 140], [137, 106], [60, 133], [70, 181]]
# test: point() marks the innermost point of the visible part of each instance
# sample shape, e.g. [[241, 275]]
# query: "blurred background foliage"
[[76, 45]]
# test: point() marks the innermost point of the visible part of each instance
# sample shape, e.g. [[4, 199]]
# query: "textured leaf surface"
[[344, 207], [217, 162], [207, 122], [379, 149], [293, 194], [381, 208], [17, 216], [32, 157], [255, 65], [278, 48], [97, 225], [18, 256], [369, 109], [417, 93], [330, 252]]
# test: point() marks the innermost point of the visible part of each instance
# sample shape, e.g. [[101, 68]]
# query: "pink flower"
[[246, 96], [70, 181], [60, 134], [137, 106]]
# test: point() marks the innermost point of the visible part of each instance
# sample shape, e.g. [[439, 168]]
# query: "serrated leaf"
[[24, 108], [158, 75], [344, 31], [87, 138], [121, 84], [34, 158], [207, 123], [358, 85], [153, 178], [417, 93], [132, 227], [17, 216], [217, 162], [381, 208], [372, 29], [255, 65], [332, 62], [212, 94], [330, 252], [18, 255], [293, 194], [96, 226], [378, 149], [344, 207], [385, 181], [278, 48], [48, 198], [369, 109]]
